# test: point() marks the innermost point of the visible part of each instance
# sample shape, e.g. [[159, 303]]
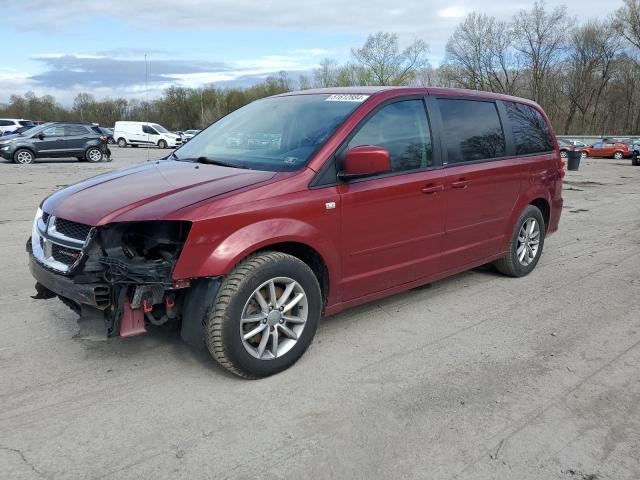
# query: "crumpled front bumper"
[[97, 295]]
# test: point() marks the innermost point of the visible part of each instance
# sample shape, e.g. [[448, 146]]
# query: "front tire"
[[583, 155], [162, 144], [563, 153], [618, 155], [265, 315], [525, 247], [24, 157], [122, 143]]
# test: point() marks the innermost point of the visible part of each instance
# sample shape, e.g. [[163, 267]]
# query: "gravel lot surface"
[[478, 376]]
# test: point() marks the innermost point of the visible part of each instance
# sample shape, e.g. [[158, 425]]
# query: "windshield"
[[159, 128], [276, 134]]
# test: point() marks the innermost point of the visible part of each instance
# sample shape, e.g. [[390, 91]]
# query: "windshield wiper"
[[213, 161], [208, 161]]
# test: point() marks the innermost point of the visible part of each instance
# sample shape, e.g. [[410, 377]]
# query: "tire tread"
[[216, 319]]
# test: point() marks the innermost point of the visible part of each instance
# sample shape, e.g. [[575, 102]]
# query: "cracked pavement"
[[477, 376]]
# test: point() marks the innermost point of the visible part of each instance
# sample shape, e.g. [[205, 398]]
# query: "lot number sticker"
[[347, 97]]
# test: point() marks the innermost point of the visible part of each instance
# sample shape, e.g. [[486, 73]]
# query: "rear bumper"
[[97, 295]]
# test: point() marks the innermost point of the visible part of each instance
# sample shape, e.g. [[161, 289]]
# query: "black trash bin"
[[573, 160], [635, 158]]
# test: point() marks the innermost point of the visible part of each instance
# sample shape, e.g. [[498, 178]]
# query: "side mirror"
[[365, 161], [41, 136]]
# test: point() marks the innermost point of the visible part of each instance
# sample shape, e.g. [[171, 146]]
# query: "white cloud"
[[453, 11]]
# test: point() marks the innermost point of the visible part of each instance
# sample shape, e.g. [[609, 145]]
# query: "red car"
[[302, 205], [606, 149]]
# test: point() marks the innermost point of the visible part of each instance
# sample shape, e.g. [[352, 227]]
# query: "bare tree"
[[588, 68], [627, 22], [388, 65], [540, 38], [482, 55]]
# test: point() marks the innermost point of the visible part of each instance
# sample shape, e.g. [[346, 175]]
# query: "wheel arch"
[[29, 148], [290, 236], [543, 205], [308, 255]]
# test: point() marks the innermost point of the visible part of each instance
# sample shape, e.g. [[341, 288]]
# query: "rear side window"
[[55, 131], [472, 130], [402, 128], [5, 123], [77, 130], [530, 131]]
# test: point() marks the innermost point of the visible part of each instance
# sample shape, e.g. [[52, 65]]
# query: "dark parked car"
[[345, 196], [57, 139], [107, 132]]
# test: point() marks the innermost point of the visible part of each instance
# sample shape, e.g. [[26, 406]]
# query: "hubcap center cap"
[[274, 317]]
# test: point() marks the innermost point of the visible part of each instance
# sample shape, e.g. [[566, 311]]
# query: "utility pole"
[[146, 94]]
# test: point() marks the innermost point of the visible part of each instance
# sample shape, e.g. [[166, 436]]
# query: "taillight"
[[562, 172]]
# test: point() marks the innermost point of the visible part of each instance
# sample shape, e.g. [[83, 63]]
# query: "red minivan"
[[298, 206]]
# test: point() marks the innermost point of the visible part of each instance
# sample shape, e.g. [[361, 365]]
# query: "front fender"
[[206, 255]]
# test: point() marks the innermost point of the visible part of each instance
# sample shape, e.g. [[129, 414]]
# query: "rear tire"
[[523, 255], [122, 143], [583, 155], [248, 301], [24, 157], [94, 155]]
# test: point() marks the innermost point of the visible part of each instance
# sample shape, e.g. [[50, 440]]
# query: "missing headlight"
[[154, 240]]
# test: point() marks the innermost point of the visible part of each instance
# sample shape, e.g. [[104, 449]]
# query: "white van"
[[144, 133]]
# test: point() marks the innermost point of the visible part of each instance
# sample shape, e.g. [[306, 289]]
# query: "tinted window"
[[403, 129], [530, 131], [472, 130], [57, 131], [77, 130], [5, 123]]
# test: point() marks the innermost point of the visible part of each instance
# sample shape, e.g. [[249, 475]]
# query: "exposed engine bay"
[[122, 271]]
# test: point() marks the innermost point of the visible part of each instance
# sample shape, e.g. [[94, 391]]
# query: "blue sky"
[[69, 46]]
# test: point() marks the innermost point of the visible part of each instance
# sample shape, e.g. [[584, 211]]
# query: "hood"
[[150, 191]]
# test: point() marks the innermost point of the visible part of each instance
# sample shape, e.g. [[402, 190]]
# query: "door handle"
[[462, 183], [431, 189]]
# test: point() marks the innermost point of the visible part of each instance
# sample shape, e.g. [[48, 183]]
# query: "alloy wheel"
[[95, 155], [24, 157], [273, 318], [528, 241]]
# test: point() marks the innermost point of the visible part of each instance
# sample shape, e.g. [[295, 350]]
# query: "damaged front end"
[[122, 271]]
